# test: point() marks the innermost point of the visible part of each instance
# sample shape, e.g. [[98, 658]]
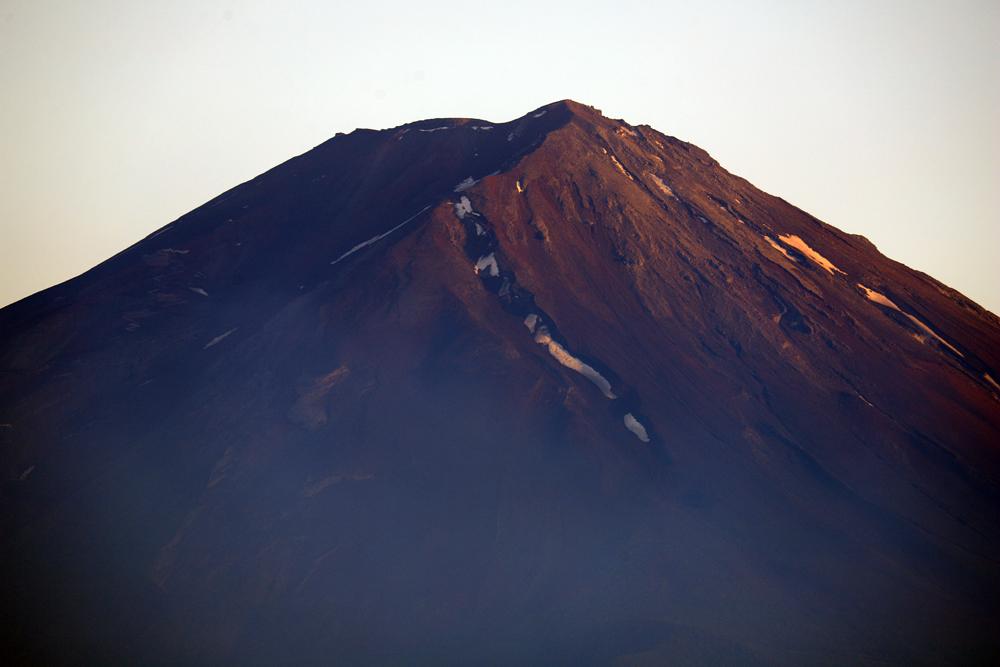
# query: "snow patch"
[[479, 230], [489, 264], [376, 239], [520, 188], [435, 129], [482, 127], [804, 248], [931, 332], [175, 251], [539, 114], [466, 184], [563, 356], [531, 321], [632, 424], [24, 475], [621, 168], [879, 298], [510, 137], [780, 248], [198, 290], [664, 188], [883, 300], [218, 339], [463, 208]]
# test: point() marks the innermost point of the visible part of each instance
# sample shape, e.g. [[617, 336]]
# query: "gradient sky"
[[882, 118]]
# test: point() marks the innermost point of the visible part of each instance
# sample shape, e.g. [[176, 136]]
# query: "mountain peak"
[[563, 382], [572, 107]]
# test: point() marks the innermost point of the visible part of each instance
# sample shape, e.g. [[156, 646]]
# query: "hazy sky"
[[882, 118]]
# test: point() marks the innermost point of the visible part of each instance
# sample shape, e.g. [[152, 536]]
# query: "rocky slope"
[[554, 390]]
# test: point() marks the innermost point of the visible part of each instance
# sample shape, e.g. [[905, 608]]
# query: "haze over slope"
[[559, 390]]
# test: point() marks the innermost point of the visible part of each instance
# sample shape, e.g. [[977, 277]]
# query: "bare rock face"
[[559, 390]]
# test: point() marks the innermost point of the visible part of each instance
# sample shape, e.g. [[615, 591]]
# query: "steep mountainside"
[[559, 390]]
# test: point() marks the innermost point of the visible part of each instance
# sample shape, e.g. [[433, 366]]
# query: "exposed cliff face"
[[560, 390]]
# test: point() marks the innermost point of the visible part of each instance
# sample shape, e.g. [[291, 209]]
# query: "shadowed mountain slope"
[[558, 390]]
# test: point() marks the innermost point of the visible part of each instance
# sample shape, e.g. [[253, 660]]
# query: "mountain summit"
[[557, 390]]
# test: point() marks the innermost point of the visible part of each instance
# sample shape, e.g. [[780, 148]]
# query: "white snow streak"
[[376, 239], [435, 129], [198, 290], [465, 184], [563, 356], [883, 300], [879, 298], [804, 248], [162, 231], [539, 114], [632, 424], [621, 168], [531, 321], [219, 338]]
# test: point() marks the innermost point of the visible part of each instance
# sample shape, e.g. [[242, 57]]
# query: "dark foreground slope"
[[591, 398]]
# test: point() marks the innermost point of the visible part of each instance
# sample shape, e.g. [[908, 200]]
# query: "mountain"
[[558, 390]]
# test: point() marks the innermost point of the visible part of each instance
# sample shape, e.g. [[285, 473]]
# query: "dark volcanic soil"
[[253, 439]]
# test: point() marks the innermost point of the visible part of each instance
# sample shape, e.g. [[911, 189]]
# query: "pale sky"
[[879, 117]]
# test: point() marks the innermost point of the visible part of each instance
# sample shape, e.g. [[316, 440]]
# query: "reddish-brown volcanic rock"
[[240, 442]]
